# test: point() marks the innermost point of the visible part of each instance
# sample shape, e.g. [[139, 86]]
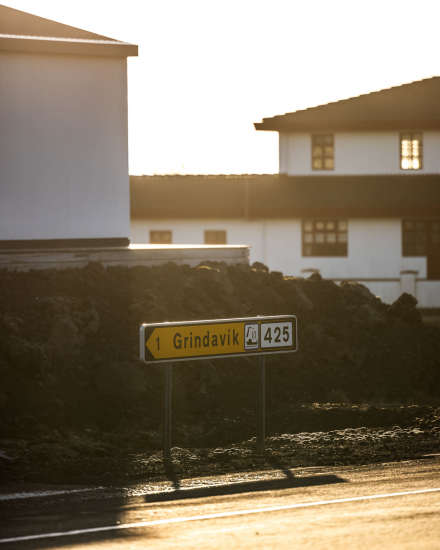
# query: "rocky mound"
[[69, 346]]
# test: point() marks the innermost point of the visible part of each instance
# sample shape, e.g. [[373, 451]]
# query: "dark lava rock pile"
[[75, 398], [69, 348]]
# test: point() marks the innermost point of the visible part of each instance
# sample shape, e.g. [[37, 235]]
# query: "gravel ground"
[[89, 459], [337, 447]]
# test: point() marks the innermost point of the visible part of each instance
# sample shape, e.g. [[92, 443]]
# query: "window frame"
[[312, 233], [156, 241], [431, 226], [411, 136], [315, 139], [215, 240]]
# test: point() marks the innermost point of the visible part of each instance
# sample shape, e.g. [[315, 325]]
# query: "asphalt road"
[[394, 505]]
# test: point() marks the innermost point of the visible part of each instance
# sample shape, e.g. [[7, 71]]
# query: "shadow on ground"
[[94, 520], [288, 482]]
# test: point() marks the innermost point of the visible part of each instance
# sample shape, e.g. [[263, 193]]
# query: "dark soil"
[[115, 457], [76, 401]]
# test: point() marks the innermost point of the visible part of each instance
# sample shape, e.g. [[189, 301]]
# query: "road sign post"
[[261, 405], [167, 408], [214, 339]]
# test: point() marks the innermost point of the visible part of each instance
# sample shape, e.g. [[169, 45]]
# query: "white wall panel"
[[428, 294], [192, 232], [63, 147], [362, 153], [387, 291], [374, 246]]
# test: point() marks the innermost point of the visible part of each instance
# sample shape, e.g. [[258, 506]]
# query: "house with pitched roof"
[[64, 184], [357, 196], [63, 135]]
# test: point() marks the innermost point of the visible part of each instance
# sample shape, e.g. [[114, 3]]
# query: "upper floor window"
[[323, 152], [160, 236], [215, 236], [411, 151], [324, 237]]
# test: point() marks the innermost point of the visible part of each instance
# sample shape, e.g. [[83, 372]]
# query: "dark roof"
[[175, 196], [281, 196], [414, 105], [25, 32]]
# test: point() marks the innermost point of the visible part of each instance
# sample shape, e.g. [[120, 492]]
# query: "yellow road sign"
[[217, 338]]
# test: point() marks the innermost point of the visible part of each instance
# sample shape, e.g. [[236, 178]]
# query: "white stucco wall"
[[192, 232], [363, 153], [374, 251], [374, 246], [428, 293], [63, 147]]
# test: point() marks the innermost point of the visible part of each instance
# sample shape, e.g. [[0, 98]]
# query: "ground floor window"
[[324, 237], [415, 237], [422, 238], [161, 236], [419, 237], [215, 236]]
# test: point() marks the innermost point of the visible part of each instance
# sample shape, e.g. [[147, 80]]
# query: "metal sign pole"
[[167, 402], [217, 339], [261, 404]]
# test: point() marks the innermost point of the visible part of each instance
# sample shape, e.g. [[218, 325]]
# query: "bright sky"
[[208, 69]]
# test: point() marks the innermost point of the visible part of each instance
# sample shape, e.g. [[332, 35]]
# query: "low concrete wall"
[[426, 292], [146, 255]]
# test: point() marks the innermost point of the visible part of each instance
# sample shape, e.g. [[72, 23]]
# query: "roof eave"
[[284, 197], [67, 46], [364, 126]]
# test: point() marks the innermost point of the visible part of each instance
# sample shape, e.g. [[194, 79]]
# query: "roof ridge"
[[28, 21], [373, 92]]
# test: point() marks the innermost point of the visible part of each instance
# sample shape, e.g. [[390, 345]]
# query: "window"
[[419, 237], [414, 238], [160, 236], [411, 151], [215, 236], [323, 152], [324, 237]]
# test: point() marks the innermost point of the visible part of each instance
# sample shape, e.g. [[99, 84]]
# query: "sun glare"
[[207, 71]]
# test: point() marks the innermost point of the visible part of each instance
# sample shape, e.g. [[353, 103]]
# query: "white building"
[[64, 185], [357, 197], [63, 135]]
